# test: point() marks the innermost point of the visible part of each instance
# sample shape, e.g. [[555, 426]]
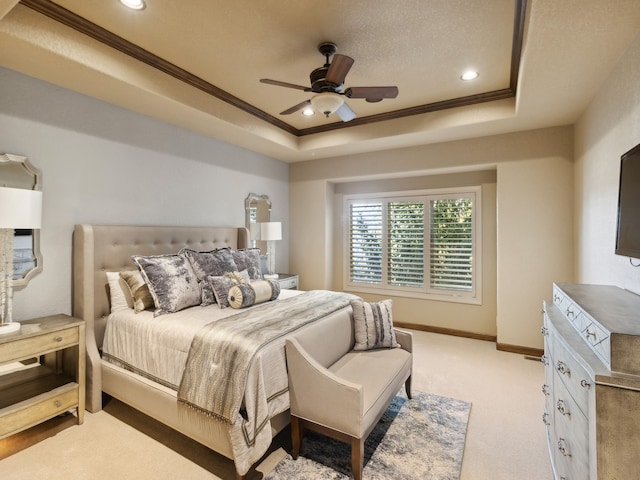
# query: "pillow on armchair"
[[373, 324]]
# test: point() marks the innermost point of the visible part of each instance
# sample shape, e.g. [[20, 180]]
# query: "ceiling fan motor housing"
[[318, 82]]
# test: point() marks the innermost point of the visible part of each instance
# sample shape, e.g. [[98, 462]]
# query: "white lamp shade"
[[270, 231], [20, 208], [326, 102]]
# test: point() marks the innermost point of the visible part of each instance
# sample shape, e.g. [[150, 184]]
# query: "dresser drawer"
[[45, 343], [572, 435], [569, 372]]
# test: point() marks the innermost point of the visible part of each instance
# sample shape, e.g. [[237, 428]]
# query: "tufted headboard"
[[98, 249]]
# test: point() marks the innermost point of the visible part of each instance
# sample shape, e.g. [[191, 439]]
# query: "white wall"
[[104, 164], [608, 128]]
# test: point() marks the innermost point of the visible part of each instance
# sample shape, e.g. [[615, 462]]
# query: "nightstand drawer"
[[30, 412], [48, 342], [288, 281]]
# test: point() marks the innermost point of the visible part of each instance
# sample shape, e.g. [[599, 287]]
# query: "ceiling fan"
[[327, 82]]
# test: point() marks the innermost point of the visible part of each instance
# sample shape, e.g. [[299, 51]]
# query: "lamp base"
[[9, 328]]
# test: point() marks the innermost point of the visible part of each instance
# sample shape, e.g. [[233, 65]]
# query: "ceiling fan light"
[[326, 102], [307, 112], [134, 4]]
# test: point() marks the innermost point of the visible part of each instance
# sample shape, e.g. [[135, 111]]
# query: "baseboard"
[[504, 347], [527, 351], [446, 331]]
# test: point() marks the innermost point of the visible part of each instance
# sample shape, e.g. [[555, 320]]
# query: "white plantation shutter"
[[405, 221], [419, 245], [365, 242], [451, 244]]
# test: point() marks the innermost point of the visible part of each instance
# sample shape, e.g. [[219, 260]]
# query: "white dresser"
[[592, 382]]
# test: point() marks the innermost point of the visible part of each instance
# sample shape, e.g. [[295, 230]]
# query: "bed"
[[98, 249]]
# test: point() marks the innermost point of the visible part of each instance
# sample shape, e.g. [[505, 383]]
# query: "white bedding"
[[157, 347]]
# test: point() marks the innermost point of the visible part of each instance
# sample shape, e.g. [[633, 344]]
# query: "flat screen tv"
[[628, 234]]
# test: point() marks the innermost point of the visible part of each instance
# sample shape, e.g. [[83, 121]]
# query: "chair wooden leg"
[[357, 457], [296, 437], [407, 387]]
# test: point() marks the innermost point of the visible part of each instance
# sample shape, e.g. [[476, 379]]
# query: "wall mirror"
[[257, 210], [17, 172]]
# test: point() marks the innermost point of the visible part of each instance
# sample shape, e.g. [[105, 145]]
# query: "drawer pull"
[[545, 419], [545, 389], [556, 298], [570, 313], [544, 331], [562, 446], [58, 339], [57, 403], [562, 408], [544, 359], [591, 335], [585, 384], [563, 368]]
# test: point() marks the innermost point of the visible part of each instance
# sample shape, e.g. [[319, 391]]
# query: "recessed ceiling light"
[[134, 4], [470, 75]]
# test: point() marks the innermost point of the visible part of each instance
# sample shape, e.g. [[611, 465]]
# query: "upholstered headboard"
[[98, 249]]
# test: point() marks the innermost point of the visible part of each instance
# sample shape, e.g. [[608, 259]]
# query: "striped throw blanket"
[[215, 375]]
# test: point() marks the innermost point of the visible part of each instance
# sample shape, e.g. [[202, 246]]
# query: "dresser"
[[592, 382], [47, 372]]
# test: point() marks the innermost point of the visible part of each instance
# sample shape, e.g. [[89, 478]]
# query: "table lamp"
[[19, 208], [269, 232]]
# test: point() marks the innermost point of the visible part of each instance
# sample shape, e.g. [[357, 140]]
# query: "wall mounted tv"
[[628, 235]]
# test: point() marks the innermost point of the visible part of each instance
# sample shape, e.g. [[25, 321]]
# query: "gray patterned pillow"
[[373, 325], [171, 281], [249, 259], [215, 262], [221, 286]]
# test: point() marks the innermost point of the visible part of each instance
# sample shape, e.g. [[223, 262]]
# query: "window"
[[423, 244]]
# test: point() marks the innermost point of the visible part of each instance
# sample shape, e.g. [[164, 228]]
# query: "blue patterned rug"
[[418, 438]]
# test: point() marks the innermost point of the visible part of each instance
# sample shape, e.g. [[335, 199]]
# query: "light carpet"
[[418, 438]]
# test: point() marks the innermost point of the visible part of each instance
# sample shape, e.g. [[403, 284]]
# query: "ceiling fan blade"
[[296, 108], [340, 66], [284, 84], [345, 113], [372, 94]]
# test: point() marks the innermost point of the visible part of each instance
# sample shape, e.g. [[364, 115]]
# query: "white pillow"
[[119, 292]]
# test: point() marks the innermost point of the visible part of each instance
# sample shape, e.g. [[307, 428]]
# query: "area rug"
[[418, 438]]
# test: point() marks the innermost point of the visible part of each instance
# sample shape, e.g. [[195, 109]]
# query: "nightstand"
[[49, 374], [288, 281]]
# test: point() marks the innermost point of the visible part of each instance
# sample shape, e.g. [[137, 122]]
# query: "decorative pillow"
[[119, 293], [249, 259], [139, 291], [373, 325], [171, 281], [245, 295], [220, 285], [215, 262]]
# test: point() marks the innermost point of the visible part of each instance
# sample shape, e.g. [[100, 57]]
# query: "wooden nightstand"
[[50, 379], [288, 281]]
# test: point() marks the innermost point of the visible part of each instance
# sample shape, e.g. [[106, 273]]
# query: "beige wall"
[[316, 190], [609, 127]]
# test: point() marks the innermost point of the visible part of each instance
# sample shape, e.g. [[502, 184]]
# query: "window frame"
[[426, 291]]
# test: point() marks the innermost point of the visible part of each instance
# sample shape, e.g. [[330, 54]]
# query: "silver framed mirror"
[[257, 210], [17, 172]]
